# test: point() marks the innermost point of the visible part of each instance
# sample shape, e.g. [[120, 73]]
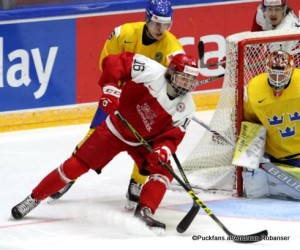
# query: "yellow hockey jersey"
[[279, 115], [128, 38]]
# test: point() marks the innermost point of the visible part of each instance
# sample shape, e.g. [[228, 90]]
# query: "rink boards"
[[49, 56]]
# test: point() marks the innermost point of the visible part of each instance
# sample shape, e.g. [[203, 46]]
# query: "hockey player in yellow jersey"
[[272, 99], [150, 38]]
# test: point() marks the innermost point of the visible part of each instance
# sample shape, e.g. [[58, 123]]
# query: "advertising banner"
[[53, 61], [37, 64]]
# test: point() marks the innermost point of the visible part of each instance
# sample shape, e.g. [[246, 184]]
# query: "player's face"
[[278, 81], [274, 15], [156, 30], [185, 81]]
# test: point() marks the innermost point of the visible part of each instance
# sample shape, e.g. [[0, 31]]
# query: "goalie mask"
[[280, 66], [183, 73]]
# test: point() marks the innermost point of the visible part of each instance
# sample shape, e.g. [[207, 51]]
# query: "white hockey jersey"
[[289, 21], [144, 102]]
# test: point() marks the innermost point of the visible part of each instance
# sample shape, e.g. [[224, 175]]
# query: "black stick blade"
[[201, 49], [188, 219]]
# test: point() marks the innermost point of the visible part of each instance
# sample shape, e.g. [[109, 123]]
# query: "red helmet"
[[184, 73], [280, 66], [267, 3]]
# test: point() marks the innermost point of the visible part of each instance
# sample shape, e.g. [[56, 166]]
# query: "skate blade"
[[158, 231], [51, 201]]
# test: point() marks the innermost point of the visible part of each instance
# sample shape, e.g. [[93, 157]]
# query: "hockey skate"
[[144, 214], [61, 192], [132, 195], [24, 207]]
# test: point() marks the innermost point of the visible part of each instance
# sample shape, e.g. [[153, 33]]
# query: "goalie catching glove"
[[159, 154], [109, 100]]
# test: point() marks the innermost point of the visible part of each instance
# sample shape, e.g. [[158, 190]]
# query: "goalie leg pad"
[[272, 182], [256, 183], [282, 185]]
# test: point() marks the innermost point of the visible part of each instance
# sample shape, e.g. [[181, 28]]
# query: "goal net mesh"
[[208, 166]]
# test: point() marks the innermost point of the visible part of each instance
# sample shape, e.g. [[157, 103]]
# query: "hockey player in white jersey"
[[274, 15], [157, 102], [277, 15]]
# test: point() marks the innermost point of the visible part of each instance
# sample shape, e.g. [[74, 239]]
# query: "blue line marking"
[[270, 209]]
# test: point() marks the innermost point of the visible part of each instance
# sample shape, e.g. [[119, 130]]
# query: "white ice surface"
[[92, 216]]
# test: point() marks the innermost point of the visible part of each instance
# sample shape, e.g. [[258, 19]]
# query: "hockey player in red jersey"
[[150, 38], [157, 102], [274, 15]]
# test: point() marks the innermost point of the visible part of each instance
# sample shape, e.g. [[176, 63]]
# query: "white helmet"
[[269, 3]]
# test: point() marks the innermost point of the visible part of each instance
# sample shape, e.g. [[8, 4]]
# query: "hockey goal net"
[[208, 167]]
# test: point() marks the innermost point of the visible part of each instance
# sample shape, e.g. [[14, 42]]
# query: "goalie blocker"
[[262, 178]]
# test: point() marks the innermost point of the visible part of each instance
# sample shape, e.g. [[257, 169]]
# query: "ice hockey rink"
[[92, 215]]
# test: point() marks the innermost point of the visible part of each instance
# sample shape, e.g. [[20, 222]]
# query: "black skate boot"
[[24, 207], [132, 195], [61, 192], [145, 215]]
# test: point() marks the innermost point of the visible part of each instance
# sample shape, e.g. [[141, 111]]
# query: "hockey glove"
[[109, 100], [159, 154]]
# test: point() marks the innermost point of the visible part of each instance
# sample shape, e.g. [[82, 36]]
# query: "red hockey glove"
[[159, 154], [109, 100]]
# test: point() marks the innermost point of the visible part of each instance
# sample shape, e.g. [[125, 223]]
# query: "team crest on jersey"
[[180, 107], [158, 57], [147, 114]]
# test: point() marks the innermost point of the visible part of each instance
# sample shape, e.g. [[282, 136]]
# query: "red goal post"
[[208, 166]]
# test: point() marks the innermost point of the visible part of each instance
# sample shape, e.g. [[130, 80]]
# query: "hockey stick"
[[210, 79], [189, 217], [201, 57], [236, 238], [269, 167], [224, 138]]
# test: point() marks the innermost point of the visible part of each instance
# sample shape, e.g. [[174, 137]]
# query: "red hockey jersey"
[[144, 102]]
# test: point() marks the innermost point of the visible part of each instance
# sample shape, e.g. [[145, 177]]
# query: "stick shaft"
[[236, 238]]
